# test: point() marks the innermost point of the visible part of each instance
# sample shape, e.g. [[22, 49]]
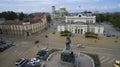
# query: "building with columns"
[[86, 17], [80, 24]]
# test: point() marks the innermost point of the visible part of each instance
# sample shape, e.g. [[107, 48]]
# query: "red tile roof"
[[38, 15], [32, 21]]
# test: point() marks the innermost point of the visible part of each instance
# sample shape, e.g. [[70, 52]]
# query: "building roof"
[[12, 22], [38, 15], [62, 6], [17, 22], [32, 21]]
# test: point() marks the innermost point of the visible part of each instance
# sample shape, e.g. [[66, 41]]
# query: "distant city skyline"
[[31, 6]]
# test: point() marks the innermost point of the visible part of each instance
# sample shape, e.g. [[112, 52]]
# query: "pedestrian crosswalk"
[[107, 60]]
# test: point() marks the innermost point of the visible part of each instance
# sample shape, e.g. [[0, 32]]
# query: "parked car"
[[33, 61], [80, 46], [2, 41], [41, 53], [45, 49], [21, 62], [46, 36], [37, 41], [2, 49]]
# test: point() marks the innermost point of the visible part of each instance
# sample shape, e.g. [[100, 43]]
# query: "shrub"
[[91, 35], [65, 33]]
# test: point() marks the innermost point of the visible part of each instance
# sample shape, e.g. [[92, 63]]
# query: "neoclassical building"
[[82, 17], [81, 28], [83, 22], [23, 28]]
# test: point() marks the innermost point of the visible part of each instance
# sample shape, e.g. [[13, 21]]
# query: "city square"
[[56, 33], [105, 47]]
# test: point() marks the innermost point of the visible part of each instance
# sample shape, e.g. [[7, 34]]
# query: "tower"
[[53, 10]]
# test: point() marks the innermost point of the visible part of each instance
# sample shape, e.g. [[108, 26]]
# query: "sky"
[[31, 6]]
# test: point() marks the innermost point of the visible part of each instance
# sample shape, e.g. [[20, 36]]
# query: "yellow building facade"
[[19, 28]]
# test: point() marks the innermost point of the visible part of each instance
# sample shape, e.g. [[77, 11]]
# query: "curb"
[[93, 65]]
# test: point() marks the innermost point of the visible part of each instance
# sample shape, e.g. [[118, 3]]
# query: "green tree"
[[29, 16], [100, 17], [9, 15], [48, 18], [0, 15], [21, 16], [115, 19], [107, 17]]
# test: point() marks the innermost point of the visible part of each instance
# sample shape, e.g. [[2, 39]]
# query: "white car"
[[33, 61], [80, 46], [45, 49], [21, 62]]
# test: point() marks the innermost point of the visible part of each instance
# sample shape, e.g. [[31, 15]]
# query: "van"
[[21, 62]]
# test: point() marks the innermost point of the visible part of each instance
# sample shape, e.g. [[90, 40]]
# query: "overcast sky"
[[30, 6]]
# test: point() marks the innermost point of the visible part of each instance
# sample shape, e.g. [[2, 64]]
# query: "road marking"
[[103, 57], [105, 60], [111, 60]]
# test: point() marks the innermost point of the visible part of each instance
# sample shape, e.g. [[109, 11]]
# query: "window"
[[68, 20], [79, 15], [91, 21], [71, 20]]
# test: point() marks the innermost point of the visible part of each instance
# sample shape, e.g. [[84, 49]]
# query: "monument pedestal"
[[68, 56]]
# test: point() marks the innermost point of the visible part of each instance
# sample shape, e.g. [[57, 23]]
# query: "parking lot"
[[23, 48]]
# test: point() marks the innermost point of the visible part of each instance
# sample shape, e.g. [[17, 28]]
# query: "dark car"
[[37, 41], [46, 36], [2, 49], [41, 53], [3, 42]]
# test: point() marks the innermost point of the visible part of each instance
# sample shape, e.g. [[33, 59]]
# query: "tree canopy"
[[9, 15], [113, 18], [48, 18], [29, 16], [21, 16]]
